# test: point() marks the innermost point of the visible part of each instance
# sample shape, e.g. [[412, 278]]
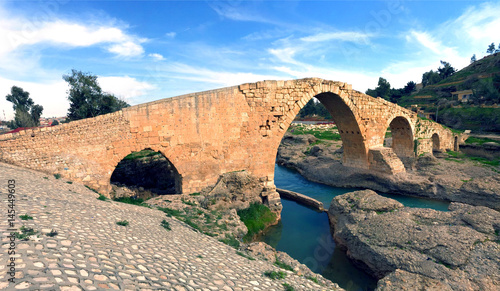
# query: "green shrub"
[[122, 223], [231, 241], [275, 275], [256, 218], [52, 233], [288, 287], [170, 212], [26, 217], [57, 176], [25, 233], [102, 197], [132, 200], [165, 225], [283, 265]]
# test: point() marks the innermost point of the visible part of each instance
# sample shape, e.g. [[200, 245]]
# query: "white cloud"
[[156, 57], [126, 87], [170, 34], [351, 36], [17, 33]]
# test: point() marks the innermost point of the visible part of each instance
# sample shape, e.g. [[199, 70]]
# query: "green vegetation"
[[283, 265], [461, 158], [86, 97], [91, 189], [275, 275], [170, 212], [26, 232], [102, 197], [480, 141], [314, 279], [69, 182], [165, 225], [288, 287], [26, 217], [122, 223], [141, 154], [244, 255], [57, 176], [195, 194], [314, 109], [132, 200], [231, 241], [256, 218], [27, 113], [319, 134], [187, 202], [52, 233]]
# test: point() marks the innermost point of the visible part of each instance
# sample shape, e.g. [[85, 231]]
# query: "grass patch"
[[102, 197], [195, 194], [141, 154], [245, 256], [256, 218], [189, 222], [26, 217], [91, 189], [46, 178], [231, 241], [122, 223], [57, 176], [165, 225], [131, 200], [288, 287], [69, 182], [479, 140], [171, 212], [52, 233], [314, 279], [25, 233], [283, 265], [319, 134], [275, 275], [188, 202]]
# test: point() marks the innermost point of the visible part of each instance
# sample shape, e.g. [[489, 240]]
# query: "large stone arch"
[[402, 136]]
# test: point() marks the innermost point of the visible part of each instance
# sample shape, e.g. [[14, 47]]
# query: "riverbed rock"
[[458, 249], [425, 176]]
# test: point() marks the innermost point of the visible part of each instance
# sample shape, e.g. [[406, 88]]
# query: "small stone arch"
[[435, 142], [169, 171], [402, 137]]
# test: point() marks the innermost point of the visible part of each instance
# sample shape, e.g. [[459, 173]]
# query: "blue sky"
[[148, 50]]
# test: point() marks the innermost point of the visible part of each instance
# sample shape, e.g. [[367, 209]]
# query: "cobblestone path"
[[92, 252]]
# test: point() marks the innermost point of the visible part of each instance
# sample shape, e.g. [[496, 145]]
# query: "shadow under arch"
[[149, 169], [355, 151], [435, 142], [402, 137]]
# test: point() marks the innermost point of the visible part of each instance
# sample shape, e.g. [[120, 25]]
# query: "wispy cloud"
[[126, 87], [156, 57], [352, 36]]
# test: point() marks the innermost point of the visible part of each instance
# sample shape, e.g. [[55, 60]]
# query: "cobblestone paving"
[[92, 252]]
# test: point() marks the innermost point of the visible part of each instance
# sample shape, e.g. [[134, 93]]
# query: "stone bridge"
[[237, 128]]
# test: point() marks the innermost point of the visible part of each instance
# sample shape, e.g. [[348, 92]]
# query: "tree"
[[27, 113], [491, 48], [87, 98], [498, 49], [383, 89], [55, 122], [473, 58], [410, 87], [429, 78], [446, 71]]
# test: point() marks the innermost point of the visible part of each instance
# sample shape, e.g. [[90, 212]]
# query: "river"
[[304, 233]]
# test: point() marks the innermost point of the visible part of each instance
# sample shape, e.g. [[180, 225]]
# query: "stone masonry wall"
[[210, 133]]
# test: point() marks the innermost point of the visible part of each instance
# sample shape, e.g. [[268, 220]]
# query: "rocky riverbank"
[[444, 176], [419, 249]]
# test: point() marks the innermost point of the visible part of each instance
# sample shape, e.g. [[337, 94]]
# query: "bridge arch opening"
[[435, 143], [346, 129], [401, 137], [149, 170]]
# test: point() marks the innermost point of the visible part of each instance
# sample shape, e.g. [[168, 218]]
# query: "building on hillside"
[[462, 96]]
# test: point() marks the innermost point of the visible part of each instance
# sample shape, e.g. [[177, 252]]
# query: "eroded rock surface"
[[456, 250]]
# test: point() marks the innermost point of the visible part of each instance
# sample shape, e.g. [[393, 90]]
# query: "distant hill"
[[479, 82]]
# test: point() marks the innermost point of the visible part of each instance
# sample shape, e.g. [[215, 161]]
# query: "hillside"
[[479, 113]]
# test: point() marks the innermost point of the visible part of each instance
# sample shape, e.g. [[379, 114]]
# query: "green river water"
[[304, 233]]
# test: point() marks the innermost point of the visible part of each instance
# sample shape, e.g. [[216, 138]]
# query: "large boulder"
[[459, 249]]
